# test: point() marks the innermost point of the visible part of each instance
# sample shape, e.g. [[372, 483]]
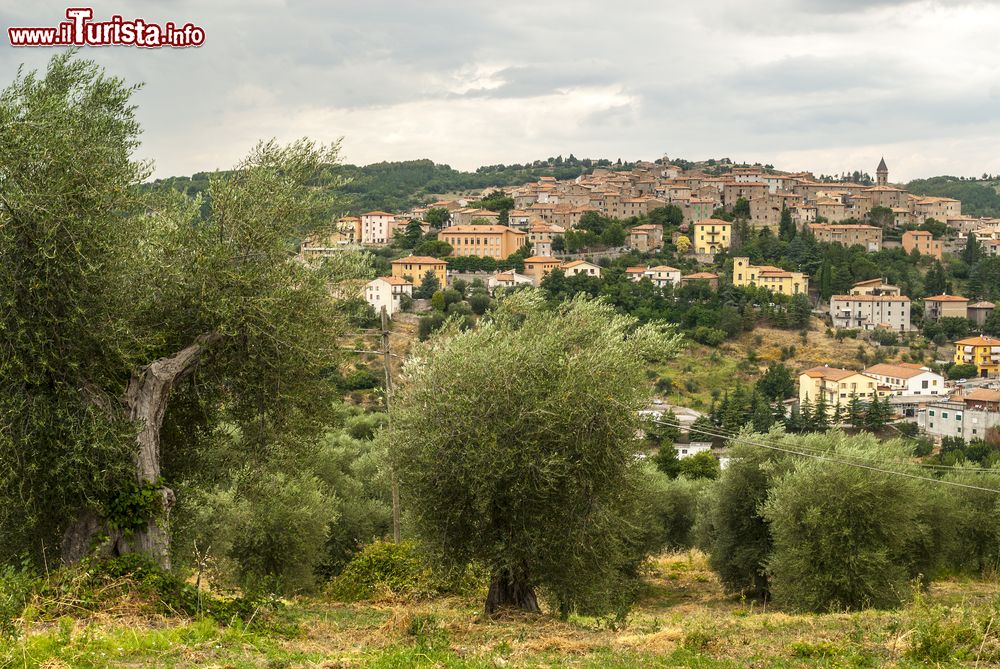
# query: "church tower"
[[882, 174]]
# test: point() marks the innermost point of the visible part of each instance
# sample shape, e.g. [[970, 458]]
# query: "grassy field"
[[682, 620], [701, 369]]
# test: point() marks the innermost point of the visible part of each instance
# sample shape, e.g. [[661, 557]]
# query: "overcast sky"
[[823, 85]]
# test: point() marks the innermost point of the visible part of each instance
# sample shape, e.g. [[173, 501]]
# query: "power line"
[[817, 456], [722, 434]]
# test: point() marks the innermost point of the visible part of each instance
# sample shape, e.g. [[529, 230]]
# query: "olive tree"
[[739, 541], [844, 536], [516, 447], [133, 323]]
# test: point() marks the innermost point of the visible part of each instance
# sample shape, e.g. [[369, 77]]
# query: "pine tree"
[[778, 415], [786, 228], [821, 415], [837, 418], [805, 421], [825, 280], [878, 414], [972, 251], [763, 418], [855, 412]]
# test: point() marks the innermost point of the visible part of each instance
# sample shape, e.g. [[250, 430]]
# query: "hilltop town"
[[688, 233]]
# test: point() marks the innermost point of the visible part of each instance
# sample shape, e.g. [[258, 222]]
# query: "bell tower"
[[882, 174]]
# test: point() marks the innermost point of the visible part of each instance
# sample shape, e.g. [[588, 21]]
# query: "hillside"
[[701, 371], [398, 186], [978, 197]]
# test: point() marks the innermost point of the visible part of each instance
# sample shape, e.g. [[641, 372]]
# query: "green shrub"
[[17, 584], [702, 465], [267, 529], [844, 538], [707, 336], [737, 535], [365, 425], [670, 506], [943, 635], [963, 371], [361, 379], [384, 569]]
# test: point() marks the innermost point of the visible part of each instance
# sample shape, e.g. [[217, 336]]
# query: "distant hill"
[[398, 186], [979, 198]]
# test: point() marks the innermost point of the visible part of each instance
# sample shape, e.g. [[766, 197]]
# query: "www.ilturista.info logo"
[[79, 30]]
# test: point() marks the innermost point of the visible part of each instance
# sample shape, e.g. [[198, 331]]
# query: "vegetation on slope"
[[979, 198]]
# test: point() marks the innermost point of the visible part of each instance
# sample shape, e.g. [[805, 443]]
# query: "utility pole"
[[388, 398]]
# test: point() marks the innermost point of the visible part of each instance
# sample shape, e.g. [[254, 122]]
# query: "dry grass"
[[682, 618]]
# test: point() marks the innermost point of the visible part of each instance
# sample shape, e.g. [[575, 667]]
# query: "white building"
[[387, 291], [908, 379], [962, 416], [867, 312], [693, 448], [508, 280], [581, 267], [377, 227], [661, 275]]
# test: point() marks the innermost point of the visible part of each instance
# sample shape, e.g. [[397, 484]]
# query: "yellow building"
[[712, 236], [983, 352], [488, 241], [538, 266], [775, 279], [414, 268], [836, 386]]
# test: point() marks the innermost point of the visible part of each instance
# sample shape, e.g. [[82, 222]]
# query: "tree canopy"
[[132, 324], [515, 443]]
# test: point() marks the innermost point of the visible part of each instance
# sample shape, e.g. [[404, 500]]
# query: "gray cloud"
[[481, 82]]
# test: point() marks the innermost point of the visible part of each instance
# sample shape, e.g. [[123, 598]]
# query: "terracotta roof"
[[481, 229], [577, 263], [419, 260], [541, 259], [981, 395], [870, 298], [394, 280], [377, 213], [946, 298], [636, 270], [979, 341], [664, 268], [832, 373], [982, 305], [898, 371], [701, 275], [713, 221], [841, 226]]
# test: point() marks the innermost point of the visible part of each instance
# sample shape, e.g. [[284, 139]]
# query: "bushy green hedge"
[[384, 569]]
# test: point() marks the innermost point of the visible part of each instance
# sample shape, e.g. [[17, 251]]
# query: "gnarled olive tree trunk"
[[509, 589], [146, 399]]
